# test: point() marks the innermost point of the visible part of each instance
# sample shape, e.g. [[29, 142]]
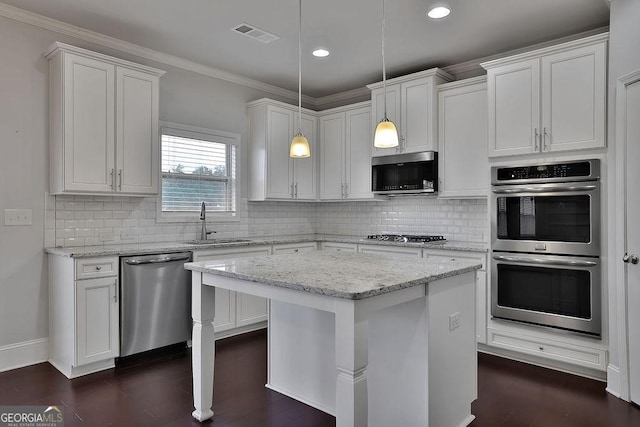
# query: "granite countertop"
[[167, 247], [338, 274]]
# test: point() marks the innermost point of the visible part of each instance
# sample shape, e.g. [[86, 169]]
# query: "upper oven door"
[[558, 218]]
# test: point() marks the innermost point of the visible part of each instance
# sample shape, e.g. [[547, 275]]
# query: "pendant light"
[[386, 135], [299, 144]]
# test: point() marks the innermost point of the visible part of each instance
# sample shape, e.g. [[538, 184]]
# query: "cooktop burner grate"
[[406, 238]]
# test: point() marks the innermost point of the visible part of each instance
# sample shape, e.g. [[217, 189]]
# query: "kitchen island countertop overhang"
[[356, 290]]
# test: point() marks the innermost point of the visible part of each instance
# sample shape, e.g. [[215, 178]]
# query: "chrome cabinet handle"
[[296, 190], [115, 294], [346, 190], [98, 267], [535, 139], [630, 259], [545, 147], [119, 179], [291, 190], [113, 177]]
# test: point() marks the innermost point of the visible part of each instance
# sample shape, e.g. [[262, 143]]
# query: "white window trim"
[[205, 134]]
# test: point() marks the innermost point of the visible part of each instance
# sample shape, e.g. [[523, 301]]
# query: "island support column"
[[352, 329], [203, 350]]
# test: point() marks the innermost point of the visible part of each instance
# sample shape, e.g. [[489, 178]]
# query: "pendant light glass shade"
[[299, 144], [386, 135]]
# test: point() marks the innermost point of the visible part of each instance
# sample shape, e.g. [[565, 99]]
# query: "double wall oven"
[[546, 267]]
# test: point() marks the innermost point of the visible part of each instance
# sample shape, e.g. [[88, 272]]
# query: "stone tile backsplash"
[[98, 220]]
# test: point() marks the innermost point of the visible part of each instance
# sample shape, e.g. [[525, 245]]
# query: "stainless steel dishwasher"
[[155, 304]]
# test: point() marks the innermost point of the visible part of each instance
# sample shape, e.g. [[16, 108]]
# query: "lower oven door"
[[556, 291]]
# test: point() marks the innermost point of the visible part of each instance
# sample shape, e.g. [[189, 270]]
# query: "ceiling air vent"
[[255, 33]]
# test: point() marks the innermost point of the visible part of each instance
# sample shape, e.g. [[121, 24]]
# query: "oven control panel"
[[547, 172]]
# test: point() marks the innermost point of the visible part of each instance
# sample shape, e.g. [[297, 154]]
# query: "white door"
[[629, 100], [331, 156], [358, 148], [137, 131], [417, 113], [305, 177], [279, 173], [514, 108], [89, 141]]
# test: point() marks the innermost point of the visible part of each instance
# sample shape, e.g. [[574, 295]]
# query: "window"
[[197, 165]]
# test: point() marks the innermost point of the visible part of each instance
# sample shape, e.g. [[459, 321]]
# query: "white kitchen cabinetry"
[[394, 251], [294, 248], [338, 247], [273, 175], [236, 312], [445, 256], [462, 155], [552, 99], [412, 105], [103, 123], [345, 153], [83, 314]]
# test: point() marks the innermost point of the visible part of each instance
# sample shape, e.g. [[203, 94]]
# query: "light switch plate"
[[18, 217]]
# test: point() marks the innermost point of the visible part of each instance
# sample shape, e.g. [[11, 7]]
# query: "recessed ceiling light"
[[438, 12], [320, 53]]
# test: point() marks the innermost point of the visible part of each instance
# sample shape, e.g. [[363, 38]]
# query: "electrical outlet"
[[454, 320], [127, 235], [105, 236], [18, 217]]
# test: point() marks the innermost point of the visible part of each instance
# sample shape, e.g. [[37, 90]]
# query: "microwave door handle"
[[541, 189], [542, 261]]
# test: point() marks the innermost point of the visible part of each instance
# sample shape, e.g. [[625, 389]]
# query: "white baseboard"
[[22, 354], [294, 396], [614, 381]]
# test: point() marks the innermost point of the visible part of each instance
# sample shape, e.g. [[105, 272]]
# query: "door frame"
[[620, 386]]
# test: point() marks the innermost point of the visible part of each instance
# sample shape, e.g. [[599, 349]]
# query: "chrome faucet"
[[203, 217]]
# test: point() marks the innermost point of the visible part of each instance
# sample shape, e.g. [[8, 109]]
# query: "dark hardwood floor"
[[158, 392]]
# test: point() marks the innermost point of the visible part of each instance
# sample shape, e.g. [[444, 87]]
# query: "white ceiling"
[[200, 31]]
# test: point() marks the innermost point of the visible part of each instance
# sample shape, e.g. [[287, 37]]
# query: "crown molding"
[[60, 27], [341, 97]]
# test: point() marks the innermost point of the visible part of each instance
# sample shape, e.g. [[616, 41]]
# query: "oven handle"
[[540, 189], [542, 261]]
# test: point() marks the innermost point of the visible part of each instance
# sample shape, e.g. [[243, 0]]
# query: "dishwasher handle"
[[163, 259]]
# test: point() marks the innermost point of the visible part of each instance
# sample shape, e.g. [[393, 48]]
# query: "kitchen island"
[[401, 333]]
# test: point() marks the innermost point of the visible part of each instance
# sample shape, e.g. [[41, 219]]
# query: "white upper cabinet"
[[103, 123], [552, 99], [463, 164], [273, 175], [412, 105], [345, 153]]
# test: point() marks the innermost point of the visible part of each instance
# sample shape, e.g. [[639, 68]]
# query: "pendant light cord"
[[300, 69], [384, 70]]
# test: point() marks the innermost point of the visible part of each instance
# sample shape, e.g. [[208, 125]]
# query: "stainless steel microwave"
[[405, 174]]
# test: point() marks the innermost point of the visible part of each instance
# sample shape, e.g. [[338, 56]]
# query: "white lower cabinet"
[[565, 351], [84, 325], [395, 251], [236, 312], [339, 247]]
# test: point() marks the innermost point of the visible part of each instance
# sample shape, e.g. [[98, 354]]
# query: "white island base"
[[391, 355], [401, 339]]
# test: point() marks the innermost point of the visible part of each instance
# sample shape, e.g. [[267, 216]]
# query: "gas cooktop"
[[407, 238]]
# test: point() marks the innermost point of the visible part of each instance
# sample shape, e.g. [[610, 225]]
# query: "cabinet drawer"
[[340, 247], [594, 358], [392, 251], [88, 268], [449, 258], [294, 248]]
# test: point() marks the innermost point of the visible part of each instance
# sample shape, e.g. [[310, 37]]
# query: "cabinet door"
[[514, 108], [463, 161], [136, 132], [418, 115], [358, 147], [393, 113], [305, 179], [89, 142], [574, 99], [332, 135], [279, 134], [97, 321]]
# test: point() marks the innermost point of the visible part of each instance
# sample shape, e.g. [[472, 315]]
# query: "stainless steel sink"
[[214, 241]]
